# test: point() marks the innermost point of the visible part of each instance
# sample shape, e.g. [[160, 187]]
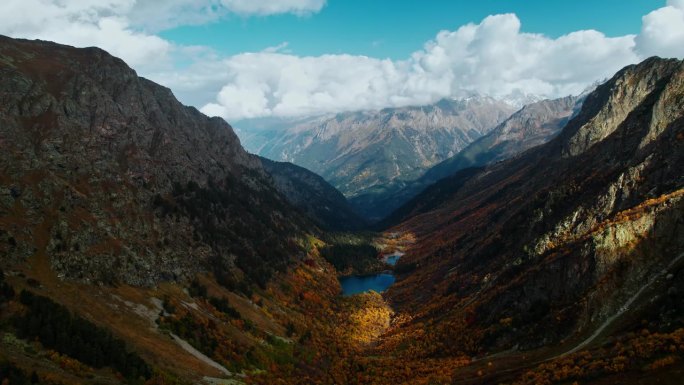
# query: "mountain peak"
[[132, 186], [606, 108], [519, 99]]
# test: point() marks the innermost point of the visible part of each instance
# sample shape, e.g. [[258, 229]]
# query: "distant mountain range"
[[380, 160], [532, 125], [372, 152]]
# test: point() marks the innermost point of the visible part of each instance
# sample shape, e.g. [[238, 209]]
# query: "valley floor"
[[303, 332]]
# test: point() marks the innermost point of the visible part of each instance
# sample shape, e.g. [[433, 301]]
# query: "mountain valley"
[[141, 243]]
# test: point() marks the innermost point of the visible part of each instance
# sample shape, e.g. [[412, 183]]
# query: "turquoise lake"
[[356, 284]]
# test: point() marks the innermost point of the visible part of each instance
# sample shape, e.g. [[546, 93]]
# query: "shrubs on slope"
[[351, 253], [224, 216], [56, 328]]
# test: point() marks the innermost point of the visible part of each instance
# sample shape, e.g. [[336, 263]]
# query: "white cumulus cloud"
[[285, 85], [126, 28], [662, 31], [493, 57]]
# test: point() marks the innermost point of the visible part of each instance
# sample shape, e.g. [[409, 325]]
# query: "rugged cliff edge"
[[314, 196], [544, 248], [111, 179], [139, 242]]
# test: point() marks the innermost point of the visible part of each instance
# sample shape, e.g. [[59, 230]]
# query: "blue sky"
[[396, 28], [347, 55]]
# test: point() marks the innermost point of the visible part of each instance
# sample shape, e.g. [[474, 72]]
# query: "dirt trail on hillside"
[[624, 308]]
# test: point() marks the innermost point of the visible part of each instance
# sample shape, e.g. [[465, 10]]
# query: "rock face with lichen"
[[107, 176], [559, 239]]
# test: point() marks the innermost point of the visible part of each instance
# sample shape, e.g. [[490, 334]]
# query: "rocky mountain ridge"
[[367, 153], [317, 198], [556, 241], [532, 125], [108, 177]]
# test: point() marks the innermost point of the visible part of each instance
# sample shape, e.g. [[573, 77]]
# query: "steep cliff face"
[[551, 245], [622, 96], [139, 238], [316, 197], [109, 178], [366, 154]]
